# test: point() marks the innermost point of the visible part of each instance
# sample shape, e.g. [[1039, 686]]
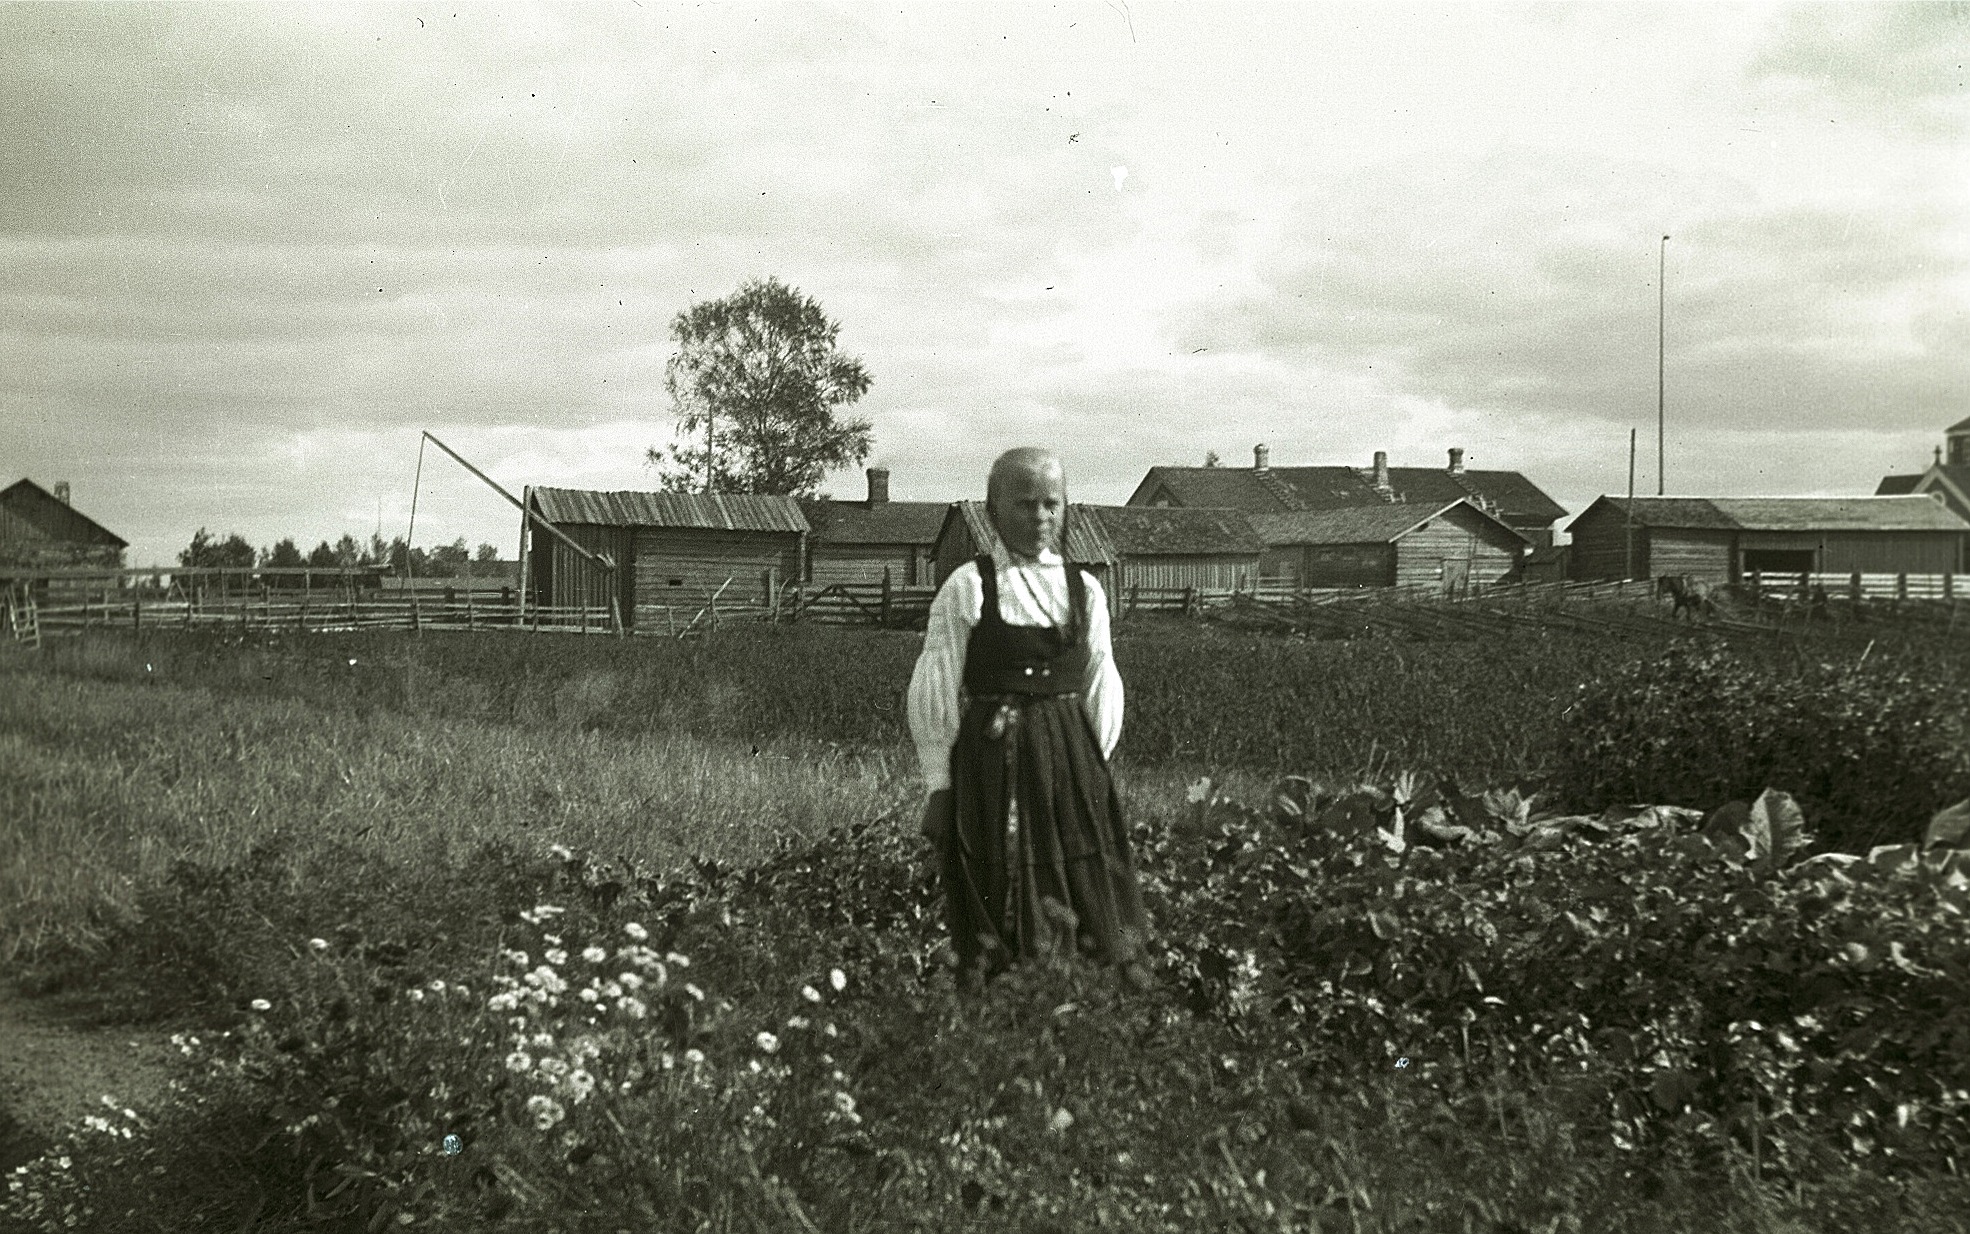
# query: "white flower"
[[562, 851], [678, 961], [694, 991], [837, 979], [767, 1042], [612, 990], [515, 957], [415, 995], [554, 1066], [546, 979], [844, 1103], [1060, 1121], [587, 995], [543, 1040], [437, 986], [580, 1084], [261, 1004], [633, 1008], [694, 1057], [635, 931], [594, 954], [629, 981], [829, 1029], [461, 991], [754, 1064], [319, 944], [557, 957], [546, 1111], [811, 994], [503, 1002], [799, 1021], [519, 1060]]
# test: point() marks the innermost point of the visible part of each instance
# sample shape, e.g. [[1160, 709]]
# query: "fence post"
[[885, 597], [1189, 601], [137, 613], [1949, 586], [1901, 586], [1854, 586], [712, 606]]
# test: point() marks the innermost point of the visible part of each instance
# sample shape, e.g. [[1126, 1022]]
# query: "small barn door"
[[1456, 576]]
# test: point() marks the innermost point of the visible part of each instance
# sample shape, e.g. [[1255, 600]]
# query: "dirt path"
[[56, 1065]]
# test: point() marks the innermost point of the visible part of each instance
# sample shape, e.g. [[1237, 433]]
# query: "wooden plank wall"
[[1220, 573], [1487, 550], [1347, 565], [864, 563], [1886, 552], [1710, 555], [700, 560]]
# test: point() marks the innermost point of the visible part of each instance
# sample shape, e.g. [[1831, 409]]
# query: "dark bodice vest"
[[1009, 659]]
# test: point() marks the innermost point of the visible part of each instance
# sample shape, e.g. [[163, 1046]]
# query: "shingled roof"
[[1919, 512], [1279, 489], [1377, 524], [882, 522], [1175, 531], [1086, 541], [713, 511], [1898, 486]]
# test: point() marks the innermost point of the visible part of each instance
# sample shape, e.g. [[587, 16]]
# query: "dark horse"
[[1690, 594]]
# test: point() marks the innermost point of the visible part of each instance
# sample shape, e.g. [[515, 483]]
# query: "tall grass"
[[103, 786]]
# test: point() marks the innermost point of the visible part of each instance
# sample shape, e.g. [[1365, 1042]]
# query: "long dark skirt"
[[1039, 864]]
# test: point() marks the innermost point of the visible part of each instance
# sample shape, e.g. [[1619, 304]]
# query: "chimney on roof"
[[61, 491], [1456, 460], [878, 485], [1382, 472], [1261, 459]]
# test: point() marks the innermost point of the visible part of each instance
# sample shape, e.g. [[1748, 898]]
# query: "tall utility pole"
[[708, 416], [1630, 571], [1661, 305]]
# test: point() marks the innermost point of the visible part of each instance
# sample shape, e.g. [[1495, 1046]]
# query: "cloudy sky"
[[247, 252]]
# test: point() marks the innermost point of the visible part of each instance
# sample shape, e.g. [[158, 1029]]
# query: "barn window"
[[677, 582]]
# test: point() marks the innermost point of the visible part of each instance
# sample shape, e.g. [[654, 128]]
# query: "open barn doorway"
[[1779, 561]]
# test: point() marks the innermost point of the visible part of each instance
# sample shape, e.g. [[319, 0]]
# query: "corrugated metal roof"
[[1892, 513], [1149, 531], [1086, 541], [884, 522], [715, 511]]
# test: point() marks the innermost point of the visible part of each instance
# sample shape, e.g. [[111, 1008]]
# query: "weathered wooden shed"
[[669, 548], [1724, 539], [967, 532], [1391, 545], [860, 541], [1178, 547], [40, 528]]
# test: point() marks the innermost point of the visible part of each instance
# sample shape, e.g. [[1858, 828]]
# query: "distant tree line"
[[454, 560]]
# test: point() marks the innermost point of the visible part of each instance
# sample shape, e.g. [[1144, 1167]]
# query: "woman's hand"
[[940, 818]]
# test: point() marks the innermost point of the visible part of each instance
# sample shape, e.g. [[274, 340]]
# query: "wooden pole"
[[885, 597], [1630, 573]]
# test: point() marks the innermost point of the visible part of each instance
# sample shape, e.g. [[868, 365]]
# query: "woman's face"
[[1028, 508]]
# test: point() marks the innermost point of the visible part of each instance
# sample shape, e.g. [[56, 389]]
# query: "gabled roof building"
[[1727, 539], [1263, 489], [860, 541], [40, 528], [1948, 477]]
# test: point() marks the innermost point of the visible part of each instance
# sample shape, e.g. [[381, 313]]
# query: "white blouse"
[[1031, 593]]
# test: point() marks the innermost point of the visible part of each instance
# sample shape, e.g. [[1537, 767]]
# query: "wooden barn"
[[40, 528], [1454, 546], [668, 548], [1210, 550], [967, 532], [1507, 496], [1724, 539], [860, 541]]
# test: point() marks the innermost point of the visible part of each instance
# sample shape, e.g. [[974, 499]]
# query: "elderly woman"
[[1015, 706]]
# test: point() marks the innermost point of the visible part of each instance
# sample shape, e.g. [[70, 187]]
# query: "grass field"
[[183, 814]]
